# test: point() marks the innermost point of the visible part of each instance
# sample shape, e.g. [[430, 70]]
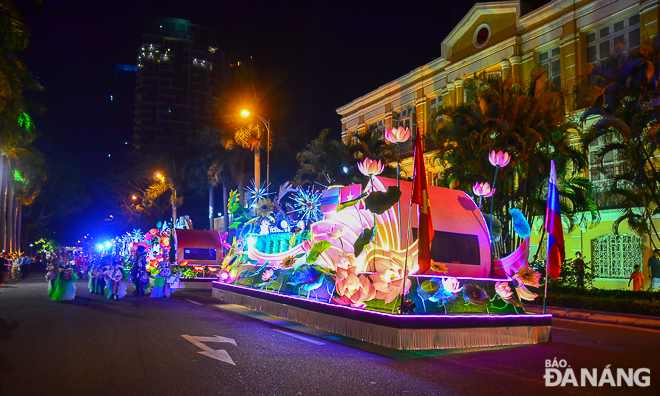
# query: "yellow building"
[[563, 37]]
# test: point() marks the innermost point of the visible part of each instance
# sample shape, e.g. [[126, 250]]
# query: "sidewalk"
[[648, 322]]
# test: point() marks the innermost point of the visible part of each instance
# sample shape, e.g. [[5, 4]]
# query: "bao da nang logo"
[[560, 373]]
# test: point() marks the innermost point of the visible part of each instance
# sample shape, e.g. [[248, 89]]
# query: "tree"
[[323, 158], [624, 115], [530, 123]]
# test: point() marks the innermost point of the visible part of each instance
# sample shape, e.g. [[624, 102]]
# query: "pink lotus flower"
[[504, 290], [370, 168], [499, 159], [389, 280], [307, 246], [354, 291], [451, 284], [346, 266], [336, 231], [267, 274], [397, 135], [277, 265], [483, 190]]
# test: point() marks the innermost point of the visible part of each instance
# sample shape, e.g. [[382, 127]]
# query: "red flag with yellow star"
[[420, 196]]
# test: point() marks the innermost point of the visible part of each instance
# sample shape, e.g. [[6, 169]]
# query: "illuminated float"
[[348, 269]]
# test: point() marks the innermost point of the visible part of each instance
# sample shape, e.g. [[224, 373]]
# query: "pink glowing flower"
[[354, 291], [370, 168], [504, 290], [451, 284], [346, 266], [307, 246], [277, 265], [483, 190], [267, 274], [336, 231], [499, 159], [397, 135], [389, 280], [527, 276]]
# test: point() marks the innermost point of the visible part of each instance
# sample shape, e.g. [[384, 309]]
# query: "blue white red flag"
[[556, 251]]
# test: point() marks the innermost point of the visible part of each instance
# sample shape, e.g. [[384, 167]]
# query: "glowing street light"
[[245, 113], [134, 197]]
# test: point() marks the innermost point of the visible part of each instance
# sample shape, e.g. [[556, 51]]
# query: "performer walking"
[[138, 272], [115, 289]]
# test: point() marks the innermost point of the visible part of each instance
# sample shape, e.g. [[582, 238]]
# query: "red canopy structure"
[[194, 245]]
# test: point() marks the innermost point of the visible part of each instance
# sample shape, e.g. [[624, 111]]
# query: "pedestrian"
[[654, 269], [578, 267], [25, 266], [4, 270], [637, 279], [15, 269], [138, 271]]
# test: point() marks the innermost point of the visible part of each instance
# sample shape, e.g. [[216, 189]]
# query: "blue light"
[[345, 169], [108, 244], [100, 247]]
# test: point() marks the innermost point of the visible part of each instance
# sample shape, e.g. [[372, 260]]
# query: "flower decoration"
[[153, 231], [504, 290], [267, 275], [397, 135], [277, 265], [288, 262], [389, 279], [307, 203], [346, 266], [165, 241], [183, 263], [451, 284], [475, 295], [264, 208], [483, 190], [233, 199], [439, 267], [213, 269], [307, 246], [355, 291], [336, 231], [198, 268], [370, 168], [527, 276], [499, 159]]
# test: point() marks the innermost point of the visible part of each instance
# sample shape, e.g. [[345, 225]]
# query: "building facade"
[[564, 37], [179, 72]]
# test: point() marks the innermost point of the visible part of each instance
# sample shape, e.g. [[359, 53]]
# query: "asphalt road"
[[134, 346]]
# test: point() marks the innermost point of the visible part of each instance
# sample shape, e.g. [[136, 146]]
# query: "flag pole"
[[405, 265], [545, 292]]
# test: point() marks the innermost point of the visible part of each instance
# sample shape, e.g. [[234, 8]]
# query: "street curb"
[[647, 322]]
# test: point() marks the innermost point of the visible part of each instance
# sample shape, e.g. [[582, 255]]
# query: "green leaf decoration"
[[235, 224], [430, 287], [317, 250], [325, 270], [300, 255], [350, 203], [379, 202], [363, 240], [234, 208]]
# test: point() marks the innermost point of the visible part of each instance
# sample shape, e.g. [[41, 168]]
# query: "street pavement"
[[135, 346]]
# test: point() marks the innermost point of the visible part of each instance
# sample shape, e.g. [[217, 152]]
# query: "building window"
[[436, 103], [405, 118], [616, 255], [601, 174], [481, 35], [550, 61], [601, 42]]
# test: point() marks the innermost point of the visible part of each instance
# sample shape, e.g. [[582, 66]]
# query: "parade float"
[[339, 260]]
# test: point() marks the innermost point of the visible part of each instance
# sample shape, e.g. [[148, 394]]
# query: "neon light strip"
[[462, 277], [526, 316]]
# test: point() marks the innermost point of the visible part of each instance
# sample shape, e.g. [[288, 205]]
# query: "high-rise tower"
[[179, 71]]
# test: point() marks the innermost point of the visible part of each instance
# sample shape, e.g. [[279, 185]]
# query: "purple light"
[[462, 277], [392, 315], [224, 275]]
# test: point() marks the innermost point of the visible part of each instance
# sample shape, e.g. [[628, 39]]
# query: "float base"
[[402, 332]]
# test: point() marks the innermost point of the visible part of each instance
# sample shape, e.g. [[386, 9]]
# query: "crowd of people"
[[106, 273]]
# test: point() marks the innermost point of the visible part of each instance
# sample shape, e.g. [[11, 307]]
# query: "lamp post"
[[163, 179], [245, 113]]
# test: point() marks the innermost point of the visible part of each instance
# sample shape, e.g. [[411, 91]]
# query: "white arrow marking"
[[219, 354]]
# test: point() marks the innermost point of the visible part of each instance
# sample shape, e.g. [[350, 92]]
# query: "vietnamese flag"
[[556, 252], [420, 196]]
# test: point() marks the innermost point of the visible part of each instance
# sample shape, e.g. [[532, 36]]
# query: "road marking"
[[194, 302], [218, 354], [563, 328], [310, 340]]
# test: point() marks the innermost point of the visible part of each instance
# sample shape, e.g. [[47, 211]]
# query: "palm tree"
[[322, 158], [625, 104], [527, 121]]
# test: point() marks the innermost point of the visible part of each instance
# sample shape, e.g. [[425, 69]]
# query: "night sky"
[[330, 53]]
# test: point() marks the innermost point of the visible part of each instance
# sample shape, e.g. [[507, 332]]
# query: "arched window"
[[615, 255]]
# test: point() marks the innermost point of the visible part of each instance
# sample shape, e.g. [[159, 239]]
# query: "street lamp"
[[245, 113]]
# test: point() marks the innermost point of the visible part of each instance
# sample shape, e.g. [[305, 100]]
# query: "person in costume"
[[100, 278], [115, 288], [161, 286], [65, 284], [138, 271]]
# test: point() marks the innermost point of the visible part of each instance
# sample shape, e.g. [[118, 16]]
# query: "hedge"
[[621, 301]]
